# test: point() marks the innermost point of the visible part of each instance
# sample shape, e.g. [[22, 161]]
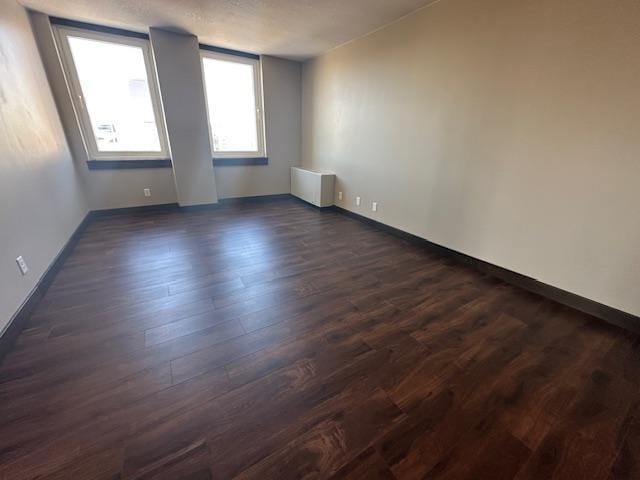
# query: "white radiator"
[[313, 186]]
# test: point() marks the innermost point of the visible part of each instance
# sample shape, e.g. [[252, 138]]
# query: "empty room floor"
[[274, 341]]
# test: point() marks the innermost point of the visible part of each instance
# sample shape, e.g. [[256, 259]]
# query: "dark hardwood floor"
[[275, 341]]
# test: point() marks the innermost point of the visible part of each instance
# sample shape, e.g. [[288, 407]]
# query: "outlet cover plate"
[[22, 265]]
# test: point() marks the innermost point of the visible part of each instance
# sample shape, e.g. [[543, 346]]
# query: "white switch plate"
[[339, 195], [357, 200], [374, 206], [22, 265], [147, 192]]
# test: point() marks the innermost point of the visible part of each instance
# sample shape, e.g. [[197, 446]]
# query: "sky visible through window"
[[116, 93], [232, 105]]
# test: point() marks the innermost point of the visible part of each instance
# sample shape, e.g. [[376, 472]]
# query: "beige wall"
[[507, 130], [41, 200], [282, 91], [177, 60], [104, 188], [124, 188]]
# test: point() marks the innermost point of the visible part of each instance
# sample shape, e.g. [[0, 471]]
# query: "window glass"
[[115, 91], [232, 106]]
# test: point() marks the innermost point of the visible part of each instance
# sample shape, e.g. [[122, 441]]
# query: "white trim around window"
[[62, 34], [260, 152]]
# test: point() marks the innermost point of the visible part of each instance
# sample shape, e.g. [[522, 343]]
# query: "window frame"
[[61, 34], [259, 107]]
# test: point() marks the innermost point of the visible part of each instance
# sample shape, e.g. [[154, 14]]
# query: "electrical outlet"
[[22, 265], [374, 206], [339, 195], [147, 192], [357, 200]]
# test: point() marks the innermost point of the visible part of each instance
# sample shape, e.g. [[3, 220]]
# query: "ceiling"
[[296, 29]]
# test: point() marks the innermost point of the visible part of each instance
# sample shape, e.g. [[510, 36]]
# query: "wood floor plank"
[[627, 464], [323, 449], [366, 466], [274, 340]]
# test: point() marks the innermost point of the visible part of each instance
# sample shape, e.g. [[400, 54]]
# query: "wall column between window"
[[177, 60]]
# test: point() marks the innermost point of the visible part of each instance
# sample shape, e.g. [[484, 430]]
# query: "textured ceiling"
[[297, 29]]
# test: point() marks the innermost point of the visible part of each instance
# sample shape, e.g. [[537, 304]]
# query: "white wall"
[[507, 130], [41, 199]]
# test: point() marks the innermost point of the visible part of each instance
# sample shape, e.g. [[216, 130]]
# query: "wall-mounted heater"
[[313, 186]]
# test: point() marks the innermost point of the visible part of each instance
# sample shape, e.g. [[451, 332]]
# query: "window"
[[234, 102], [114, 92]]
